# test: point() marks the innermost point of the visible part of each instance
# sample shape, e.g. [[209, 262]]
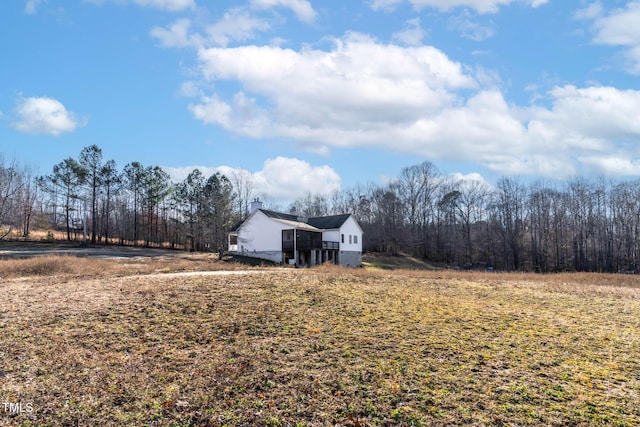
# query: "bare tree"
[[388, 218], [540, 222], [27, 197], [243, 187], [12, 181], [510, 200], [626, 223], [585, 212], [311, 205], [471, 208], [418, 186]]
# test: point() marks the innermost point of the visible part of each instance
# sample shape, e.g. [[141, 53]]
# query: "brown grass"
[[87, 267], [321, 347]]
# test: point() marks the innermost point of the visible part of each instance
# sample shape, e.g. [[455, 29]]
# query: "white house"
[[270, 235]]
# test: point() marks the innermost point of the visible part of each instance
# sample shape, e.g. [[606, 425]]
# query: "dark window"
[[342, 236]]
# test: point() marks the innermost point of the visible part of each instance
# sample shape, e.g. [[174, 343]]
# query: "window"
[[350, 237], [342, 238], [355, 239]]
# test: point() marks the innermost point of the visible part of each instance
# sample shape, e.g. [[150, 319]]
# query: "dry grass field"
[[95, 342]]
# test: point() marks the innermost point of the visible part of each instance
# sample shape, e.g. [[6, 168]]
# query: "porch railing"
[[307, 245]]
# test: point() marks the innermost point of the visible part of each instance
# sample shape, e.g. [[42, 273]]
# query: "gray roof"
[[279, 215], [328, 222], [322, 222]]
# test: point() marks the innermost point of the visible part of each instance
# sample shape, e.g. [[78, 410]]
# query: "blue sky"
[[314, 96]]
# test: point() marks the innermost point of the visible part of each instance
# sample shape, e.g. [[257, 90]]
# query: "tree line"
[[91, 198], [579, 225]]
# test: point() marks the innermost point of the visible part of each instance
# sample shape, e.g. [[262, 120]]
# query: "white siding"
[[351, 228], [261, 237], [331, 235]]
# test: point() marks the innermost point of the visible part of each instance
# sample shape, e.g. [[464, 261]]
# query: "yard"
[[103, 342]]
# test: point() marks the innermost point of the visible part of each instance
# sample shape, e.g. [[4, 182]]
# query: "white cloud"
[[469, 29], [168, 5], [593, 11], [484, 130], [44, 116], [288, 178], [282, 179], [329, 97], [189, 89], [593, 129], [302, 8], [480, 6], [412, 35], [177, 35], [612, 165], [618, 28], [386, 5], [31, 6], [472, 177], [179, 174], [213, 111], [236, 25], [592, 116], [363, 93]]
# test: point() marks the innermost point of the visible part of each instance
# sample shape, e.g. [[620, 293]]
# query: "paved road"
[[31, 249]]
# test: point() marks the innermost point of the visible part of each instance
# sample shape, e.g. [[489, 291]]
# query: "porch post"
[[295, 249]]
